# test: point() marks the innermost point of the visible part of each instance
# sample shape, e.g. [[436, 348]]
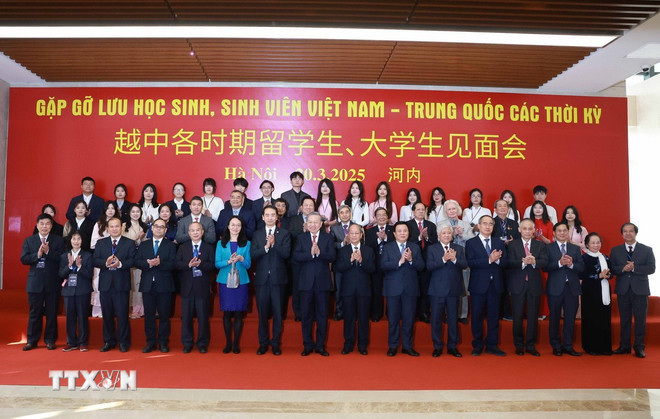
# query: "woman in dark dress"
[[596, 299], [58, 229]]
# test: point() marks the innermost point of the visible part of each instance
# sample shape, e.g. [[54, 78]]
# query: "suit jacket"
[[371, 239], [86, 229], [191, 286], [516, 273], [481, 271], [511, 230], [159, 277], [446, 277], [557, 276], [638, 280], [432, 231], [314, 269], [355, 277], [84, 274], [257, 209], [185, 207], [244, 214], [400, 280], [206, 222], [124, 211], [119, 279], [95, 207], [222, 255], [42, 279], [290, 197], [337, 233], [296, 226], [273, 262]]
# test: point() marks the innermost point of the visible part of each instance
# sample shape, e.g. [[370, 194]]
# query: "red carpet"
[[290, 371]]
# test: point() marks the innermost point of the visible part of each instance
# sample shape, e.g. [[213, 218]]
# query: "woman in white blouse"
[[212, 204], [412, 198], [359, 206], [475, 210], [149, 203], [436, 210]]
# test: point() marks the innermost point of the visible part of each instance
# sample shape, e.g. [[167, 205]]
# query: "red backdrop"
[[575, 146]]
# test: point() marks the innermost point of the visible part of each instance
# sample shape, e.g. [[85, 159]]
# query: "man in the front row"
[[114, 256], [155, 257], [314, 251], [486, 257], [527, 257], [563, 288], [632, 262], [400, 262]]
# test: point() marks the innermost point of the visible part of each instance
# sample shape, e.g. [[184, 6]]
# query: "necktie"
[[403, 247], [446, 248], [527, 253], [563, 248], [630, 252], [114, 246], [487, 246], [355, 249], [156, 247], [421, 239], [313, 238], [380, 245], [196, 251], [270, 231], [43, 241], [279, 223], [196, 219], [345, 229]]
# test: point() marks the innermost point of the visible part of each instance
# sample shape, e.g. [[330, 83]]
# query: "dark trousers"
[[356, 309], [401, 320], [631, 304], [485, 306], [377, 306], [339, 301], [314, 305], [114, 304], [518, 302], [42, 303], [440, 305], [190, 307], [424, 305], [569, 303], [160, 302], [269, 300], [77, 310], [295, 292]]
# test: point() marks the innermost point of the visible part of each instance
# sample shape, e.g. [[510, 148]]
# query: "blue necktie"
[[156, 247], [403, 248], [195, 251], [563, 248], [487, 246]]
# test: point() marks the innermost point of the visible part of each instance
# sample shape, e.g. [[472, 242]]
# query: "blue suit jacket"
[[314, 270], [85, 274], [222, 255], [401, 280], [482, 272], [45, 279], [158, 277], [446, 277], [119, 279], [557, 276], [273, 263], [355, 277]]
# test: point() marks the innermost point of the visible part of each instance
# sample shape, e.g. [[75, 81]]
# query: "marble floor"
[[44, 402]]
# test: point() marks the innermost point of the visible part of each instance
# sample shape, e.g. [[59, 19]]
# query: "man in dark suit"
[[356, 262], [339, 233], [376, 238], [632, 262], [194, 261], [270, 249], [445, 262], [526, 259], [295, 195], [423, 233], [94, 203], [486, 257], [297, 228], [507, 230], [563, 288], [401, 261], [196, 216], [266, 187], [314, 251], [236, 208], [114, 256], [42, 252], [155, 257]]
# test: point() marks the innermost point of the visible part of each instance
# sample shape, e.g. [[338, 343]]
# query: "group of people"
[[128, 260]]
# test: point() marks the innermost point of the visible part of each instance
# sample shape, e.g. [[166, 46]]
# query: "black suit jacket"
[[401, 280], [638, 280], [314, 269], [371, 238], [557, 276], [446, 277], [119, 279], [86, 229], [95, 207], [482, 272], [191, 286], [355, 277], [45, 279], [185, 207], [159, 277], [413, 229], [84, 274], [510, 231], [244, 214], [273, 262], [516, 273]]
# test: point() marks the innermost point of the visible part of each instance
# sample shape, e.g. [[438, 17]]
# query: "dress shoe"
[[375, 319], [572, 352], [533, 352], [69, 348], [543, 317], [557, 352], [424, 318], [507, 318], [147, 349], [107, 347], [437, 353], [298, 318], [124, 348], [620, 351], [203, 349], [520, 351], [164, 349], [337, 317], [363, 351], [226, 349], [29, 347], [476, 352], [83, 348], [277, 351], [494, 350], [50, 346], [410, 352], [187, 349], [639, 353], [346, 351], [391, 352], [463, 320], [262, 350], [306, 352], [236, 349], [322, 352], [454, 352]]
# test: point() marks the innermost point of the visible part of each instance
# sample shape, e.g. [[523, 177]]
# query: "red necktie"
[[313, 238], [196, 219]]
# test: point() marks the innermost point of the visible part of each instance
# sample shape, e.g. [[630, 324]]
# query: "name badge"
[[197, 273], [72, 281], [41, 264]]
